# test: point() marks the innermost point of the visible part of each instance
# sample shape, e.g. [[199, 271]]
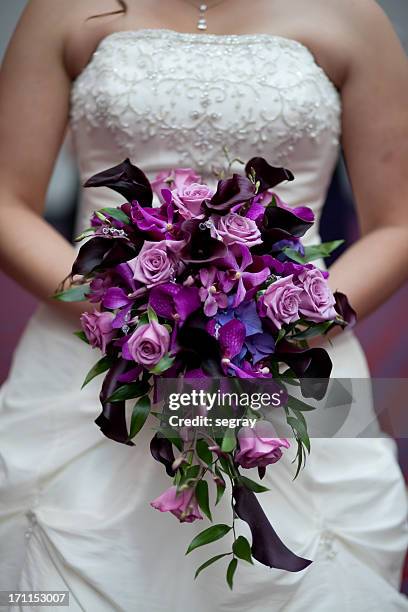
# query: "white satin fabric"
[[74, 506]]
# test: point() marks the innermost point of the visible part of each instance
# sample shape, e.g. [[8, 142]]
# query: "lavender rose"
[[317, 300], [258, 447], [281, 301], [147, 345], [176, 178], [189, 197], [97, 327], [156, 262], [234, 228], [184, 505]]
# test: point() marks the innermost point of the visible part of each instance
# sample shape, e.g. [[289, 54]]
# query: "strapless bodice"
[[168, 99]]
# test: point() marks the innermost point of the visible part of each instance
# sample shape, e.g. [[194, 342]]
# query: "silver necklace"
[[203, 8]]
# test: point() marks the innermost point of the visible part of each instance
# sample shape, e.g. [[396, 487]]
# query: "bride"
[[282, 79]]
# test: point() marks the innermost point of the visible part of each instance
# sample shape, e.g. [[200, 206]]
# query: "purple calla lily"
[[267, 547], [268, 176], [230, 192], [200, 246], [162, 450], [102, 252], [126, 179]]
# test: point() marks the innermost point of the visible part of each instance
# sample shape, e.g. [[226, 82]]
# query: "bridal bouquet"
[[212, 284]]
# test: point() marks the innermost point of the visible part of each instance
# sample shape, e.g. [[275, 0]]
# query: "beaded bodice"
[[168, 99]]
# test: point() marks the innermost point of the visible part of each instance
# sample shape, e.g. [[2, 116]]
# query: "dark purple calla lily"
[[267, 547], [126, 179], [112, 421], [343, 308], [267, 175], [131, 375], [200, 246], [105, 252], [277, 218], [198, 349], [230, 192], [312, 366], [162, 450]]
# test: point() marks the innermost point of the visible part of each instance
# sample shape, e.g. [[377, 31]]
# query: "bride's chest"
[[194, 93]]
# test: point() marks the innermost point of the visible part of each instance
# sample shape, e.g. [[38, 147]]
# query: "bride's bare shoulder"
[[69, 26], [343, 33]]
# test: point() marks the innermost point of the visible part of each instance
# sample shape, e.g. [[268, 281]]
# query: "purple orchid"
[[157, 222], [209, 293], [237, 262], [173, 301]]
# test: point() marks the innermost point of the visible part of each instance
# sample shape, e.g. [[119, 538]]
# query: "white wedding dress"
[[74, 506]]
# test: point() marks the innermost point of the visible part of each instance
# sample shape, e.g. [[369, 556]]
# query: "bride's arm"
[[34, 106], [375, 142]]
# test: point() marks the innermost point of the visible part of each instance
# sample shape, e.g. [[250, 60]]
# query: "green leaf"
[[73, 294], [116, 213], [164, 364], [317, 251], [225, 464], [312, 332], [252, 485], [229, 441], [231, 572], [297, 404], [139, 415], [209, 562], [299, 458], [281, 334], [201, 492], [87, 232], [189, 473], [212, 534], [220, 486], [151, 314], [192, 472], [242, 549], [143, 320], [300, 429], [82, 336], [129, 391], [101, 366], [203, 451]]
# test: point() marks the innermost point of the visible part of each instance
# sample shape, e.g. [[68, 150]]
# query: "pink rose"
[[189, 197], [281, 301], [317, 300], [234, 228], [184, 505], [258, 447], [97, 327], [170, 179], [156, 262], [147, 345]]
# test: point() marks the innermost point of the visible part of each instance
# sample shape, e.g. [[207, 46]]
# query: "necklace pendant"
[[202, 22]]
